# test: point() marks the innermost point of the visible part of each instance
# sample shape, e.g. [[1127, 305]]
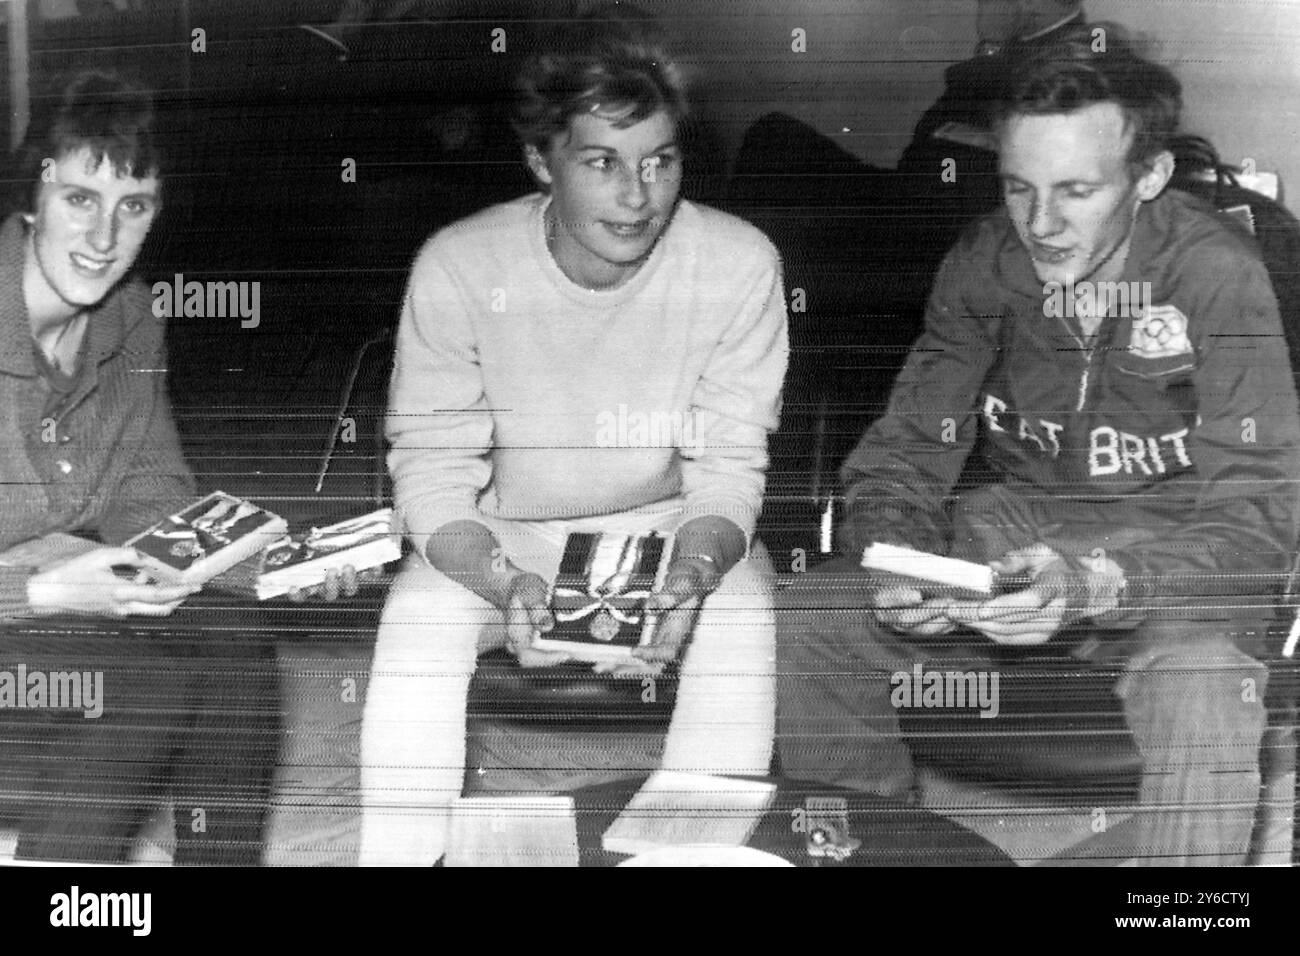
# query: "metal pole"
[[19, 73]]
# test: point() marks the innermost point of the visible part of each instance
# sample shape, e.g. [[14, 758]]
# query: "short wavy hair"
[[104, 112], [613, 62], [1068, 74]]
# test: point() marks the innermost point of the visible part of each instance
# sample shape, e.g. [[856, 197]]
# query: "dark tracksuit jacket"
[[1183, 468]]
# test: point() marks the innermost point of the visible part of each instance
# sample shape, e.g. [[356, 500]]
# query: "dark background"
[[258, 125]]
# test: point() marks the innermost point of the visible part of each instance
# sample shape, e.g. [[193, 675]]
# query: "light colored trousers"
[[413, 748]]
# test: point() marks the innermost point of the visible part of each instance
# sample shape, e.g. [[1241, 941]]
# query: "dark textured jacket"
[[110, 463], [1197, 454]]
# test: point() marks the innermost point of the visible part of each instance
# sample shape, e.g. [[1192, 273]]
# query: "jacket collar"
[[105, 324]]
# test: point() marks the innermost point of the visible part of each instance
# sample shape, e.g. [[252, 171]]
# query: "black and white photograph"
[[847, 434]]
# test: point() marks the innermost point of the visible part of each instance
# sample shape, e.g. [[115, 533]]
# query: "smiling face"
[[87, 230], [1070, 190], [613, 191]]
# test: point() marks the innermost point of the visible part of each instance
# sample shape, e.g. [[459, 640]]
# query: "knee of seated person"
[[1212, 656], [750, 583], [429, 626], [424, 594], [1201, 681]]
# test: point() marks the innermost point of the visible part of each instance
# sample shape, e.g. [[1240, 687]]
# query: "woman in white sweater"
[[539, 341]]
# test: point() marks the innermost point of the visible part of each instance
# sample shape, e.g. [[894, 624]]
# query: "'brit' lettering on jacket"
[[1110, 451]]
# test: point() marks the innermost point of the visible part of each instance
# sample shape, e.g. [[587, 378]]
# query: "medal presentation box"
[[209, 537], [303, 561], [600, 593], [931, 574]]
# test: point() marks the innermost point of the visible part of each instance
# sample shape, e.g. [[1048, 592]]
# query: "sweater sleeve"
[[155, 481], [1240, 510], [907, 463], [439, 425], [736, 403]]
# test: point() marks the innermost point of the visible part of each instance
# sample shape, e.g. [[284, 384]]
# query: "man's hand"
[[907, 611], [338, 583], [1059, 594], [1022, 619], [526, 613], [88, 585]]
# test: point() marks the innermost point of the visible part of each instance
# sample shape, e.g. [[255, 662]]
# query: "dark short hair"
[[611, 61], [104, 112], [1067, 74]]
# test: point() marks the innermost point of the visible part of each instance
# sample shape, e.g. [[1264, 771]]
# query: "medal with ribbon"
[[614, 600]]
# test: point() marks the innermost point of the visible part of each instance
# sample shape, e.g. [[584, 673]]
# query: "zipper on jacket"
[[1087, 364]]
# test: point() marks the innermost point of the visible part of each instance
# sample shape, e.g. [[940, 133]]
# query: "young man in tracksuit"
[[1112, 353]]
